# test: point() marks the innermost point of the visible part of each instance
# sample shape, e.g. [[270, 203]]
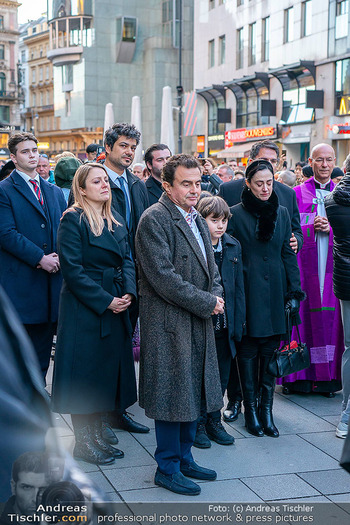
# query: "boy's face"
[[217, 227]]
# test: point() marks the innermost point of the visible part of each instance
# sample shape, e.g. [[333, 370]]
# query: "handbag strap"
[[289, 330]]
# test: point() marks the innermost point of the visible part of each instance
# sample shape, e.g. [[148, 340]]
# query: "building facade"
[[279, 70], [108, 52], [10, 90]]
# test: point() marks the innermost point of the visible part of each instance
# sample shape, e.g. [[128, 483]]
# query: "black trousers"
[[41, 336], [224, 361], [251, 347]]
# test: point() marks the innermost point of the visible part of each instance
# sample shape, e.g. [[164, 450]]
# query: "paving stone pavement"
[[302, 465]]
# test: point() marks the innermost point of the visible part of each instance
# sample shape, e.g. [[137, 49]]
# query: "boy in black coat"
[[229, 326]]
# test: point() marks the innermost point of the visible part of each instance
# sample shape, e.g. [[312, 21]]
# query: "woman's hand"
[[120, 304]]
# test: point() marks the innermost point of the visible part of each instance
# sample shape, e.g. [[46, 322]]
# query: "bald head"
[[322, 161]]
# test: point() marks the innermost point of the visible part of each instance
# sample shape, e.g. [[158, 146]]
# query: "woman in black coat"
[[271, 282], [93, 360]]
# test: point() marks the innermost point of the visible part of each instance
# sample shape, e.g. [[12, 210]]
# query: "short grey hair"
[[288, 178], [228, 169], [347, 164]]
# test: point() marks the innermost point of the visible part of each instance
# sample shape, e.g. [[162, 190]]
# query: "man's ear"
[[166, 186], [108, 149], [13, 158], [13, 487]]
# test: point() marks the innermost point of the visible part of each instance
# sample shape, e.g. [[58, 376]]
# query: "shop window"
[[265, 44], [211, 53], [294, 106], [342, 87], [289, 24]]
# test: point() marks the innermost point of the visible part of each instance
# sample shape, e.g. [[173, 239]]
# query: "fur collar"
[[265, 211]]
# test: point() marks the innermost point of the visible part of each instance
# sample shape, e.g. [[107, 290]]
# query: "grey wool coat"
[[177, 291]]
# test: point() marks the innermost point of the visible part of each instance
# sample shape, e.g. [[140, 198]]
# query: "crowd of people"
[[200, 264]]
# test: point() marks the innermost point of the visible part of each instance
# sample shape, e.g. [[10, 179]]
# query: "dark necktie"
[[37, 191], [123, 187]]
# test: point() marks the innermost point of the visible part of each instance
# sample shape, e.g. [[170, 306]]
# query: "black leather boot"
[[248, 370], [106, 431], [86, 449], [267, 387], [98, 440]]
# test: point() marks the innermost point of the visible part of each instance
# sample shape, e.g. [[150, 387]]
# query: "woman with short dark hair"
[[272, 284]]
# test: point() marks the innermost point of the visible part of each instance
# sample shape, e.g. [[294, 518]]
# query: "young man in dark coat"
[[179, 292], [231, 192], [338, 213], [130, 199], [155, 158], [228, 327], [30, 210]]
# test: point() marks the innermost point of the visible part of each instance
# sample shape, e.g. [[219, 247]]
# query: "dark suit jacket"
[[154, 189], [27, 232], [231, 192]]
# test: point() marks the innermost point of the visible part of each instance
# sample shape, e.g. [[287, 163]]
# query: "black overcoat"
[[178, 290], [93, 360], [270, 271], [232, 191], [154, 190], [233, 285]]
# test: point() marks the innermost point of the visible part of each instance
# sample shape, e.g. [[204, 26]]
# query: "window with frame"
[[289, 25], [5, 113], [240, 2], [34, 100], [33, 74], [2, 83], [252, 44], [222, 49], [41, 98], [2, 52], [306, 18], [1, 24], [47, 72], [41, 74], [341, 18], [47, 98], [265, 43], [342, 87], [240, 48], [211, 4], [211, 53]]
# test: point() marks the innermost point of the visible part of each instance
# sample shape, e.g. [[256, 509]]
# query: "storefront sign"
[[246, 134], [339, 129], [215, 143], [200, 144], [43, 145]]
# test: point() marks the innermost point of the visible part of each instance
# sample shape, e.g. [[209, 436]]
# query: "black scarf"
[[265, 211]]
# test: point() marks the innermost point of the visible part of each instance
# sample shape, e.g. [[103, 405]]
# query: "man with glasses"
[[43, 168], [231, 192], [321, 327]]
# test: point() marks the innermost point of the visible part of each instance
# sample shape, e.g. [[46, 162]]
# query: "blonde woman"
[[93, 361]]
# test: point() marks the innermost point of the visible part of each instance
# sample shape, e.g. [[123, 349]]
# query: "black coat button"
[[43, 225], [266, 277], [266, 258], [44, 245]]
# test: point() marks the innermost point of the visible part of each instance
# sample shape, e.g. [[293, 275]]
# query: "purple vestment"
[[321, 327]]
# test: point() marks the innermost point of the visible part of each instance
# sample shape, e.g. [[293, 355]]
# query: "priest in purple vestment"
[[321, 327]]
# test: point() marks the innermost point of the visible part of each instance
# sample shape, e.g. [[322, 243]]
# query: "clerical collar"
[[326, 186]]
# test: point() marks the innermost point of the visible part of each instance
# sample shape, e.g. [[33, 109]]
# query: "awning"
[[239, 150]]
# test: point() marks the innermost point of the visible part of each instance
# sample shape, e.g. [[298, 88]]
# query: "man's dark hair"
[[30, 462], [268, 144], [300, 163], [121, 130], [19, 137], [182, 159], [155, 147], [92, 148]]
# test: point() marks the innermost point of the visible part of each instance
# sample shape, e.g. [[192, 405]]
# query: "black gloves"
[[292, 307]]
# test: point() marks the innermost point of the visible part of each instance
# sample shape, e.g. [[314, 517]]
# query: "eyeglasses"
[[329, 160], [43, 155]]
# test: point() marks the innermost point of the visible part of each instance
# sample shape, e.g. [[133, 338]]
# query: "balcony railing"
[[68, 37]]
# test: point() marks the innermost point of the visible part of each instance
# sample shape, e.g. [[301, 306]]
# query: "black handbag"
[[291, 358]]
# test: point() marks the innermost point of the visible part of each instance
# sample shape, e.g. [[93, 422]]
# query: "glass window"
[[222, 49], [2, 51], [294, 106], [211, 4], [67, 74], [289, 24], [33, 75], [240, 2], [342, 87], [265, 44], [240, 46], [47, 73], [23, 56], [1, 22], [5, 113], [211, 53], [252, 44], [2, 83], [41, 73], [41, 98], [306, 17], [34, 99], [47, 98], [341, 19], [129, 30]]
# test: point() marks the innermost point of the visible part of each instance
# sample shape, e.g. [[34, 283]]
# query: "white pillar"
[[167, 123], [136, 120], [109, 117]]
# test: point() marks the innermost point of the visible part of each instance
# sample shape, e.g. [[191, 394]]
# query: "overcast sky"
[[31, 10]]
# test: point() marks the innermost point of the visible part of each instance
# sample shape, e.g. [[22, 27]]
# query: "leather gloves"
[[292, 307]]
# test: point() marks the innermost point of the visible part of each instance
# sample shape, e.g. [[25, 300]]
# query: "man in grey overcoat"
[[179, 291]]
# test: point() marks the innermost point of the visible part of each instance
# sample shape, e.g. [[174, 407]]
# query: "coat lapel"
[[23, 188], [108, 240]]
